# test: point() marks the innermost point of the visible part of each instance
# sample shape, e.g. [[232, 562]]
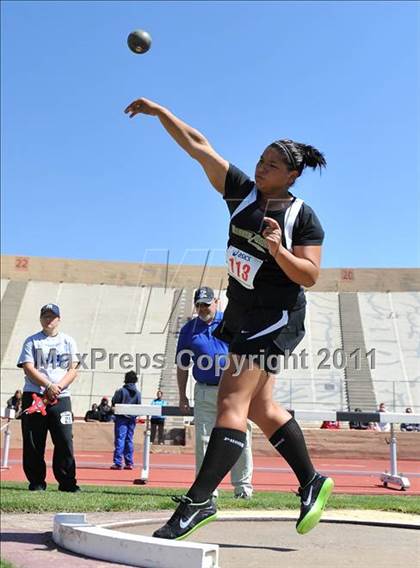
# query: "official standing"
[[196, 340], [49, 362]]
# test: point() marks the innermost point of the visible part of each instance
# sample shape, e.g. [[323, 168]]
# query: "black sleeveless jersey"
[[255, 278]]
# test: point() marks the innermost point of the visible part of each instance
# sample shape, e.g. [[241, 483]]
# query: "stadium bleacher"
[[118, 312], [3, 285], [391, 327], [313, 385], [116, 319]]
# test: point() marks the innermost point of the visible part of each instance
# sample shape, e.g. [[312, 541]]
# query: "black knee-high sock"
[[290, 443], [223, 451]]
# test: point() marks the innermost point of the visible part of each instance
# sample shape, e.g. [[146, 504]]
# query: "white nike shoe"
[[187, 518], [243, 494], [313, 498]]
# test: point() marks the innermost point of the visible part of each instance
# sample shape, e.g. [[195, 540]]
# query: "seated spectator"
[[356, 425], [330, 425], [408, 426], [15, 403], [105, 410], [93, 415], [382, 426]]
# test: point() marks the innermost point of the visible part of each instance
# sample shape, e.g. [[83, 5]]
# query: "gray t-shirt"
[[51, 356]]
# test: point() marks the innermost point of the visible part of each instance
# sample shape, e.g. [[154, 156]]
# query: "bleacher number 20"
[[340, 359]]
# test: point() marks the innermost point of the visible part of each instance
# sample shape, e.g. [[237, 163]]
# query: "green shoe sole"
[[311, 519], [203, 522]]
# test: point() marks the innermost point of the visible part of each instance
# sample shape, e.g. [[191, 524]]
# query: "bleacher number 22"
[[21, 263]]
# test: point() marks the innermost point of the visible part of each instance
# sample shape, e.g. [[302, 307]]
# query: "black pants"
[[35, 427], [159, 426]]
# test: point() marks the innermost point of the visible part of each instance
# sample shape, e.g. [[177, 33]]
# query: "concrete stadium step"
[[180, 311], [358, 379], [10, 305]]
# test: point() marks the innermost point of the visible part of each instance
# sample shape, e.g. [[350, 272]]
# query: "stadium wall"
[[136, 274], [345, 443], [104, 291]]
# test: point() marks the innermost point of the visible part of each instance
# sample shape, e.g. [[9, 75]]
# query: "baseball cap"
[[204, 295], [50, 308]]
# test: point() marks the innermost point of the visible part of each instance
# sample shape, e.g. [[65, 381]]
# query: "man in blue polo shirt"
[[209, 356]]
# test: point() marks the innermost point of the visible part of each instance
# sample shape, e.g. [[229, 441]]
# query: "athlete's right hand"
[[184, 405], [142, 106]]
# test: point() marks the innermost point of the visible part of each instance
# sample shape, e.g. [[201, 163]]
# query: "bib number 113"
[[240, 269], [242, 266]]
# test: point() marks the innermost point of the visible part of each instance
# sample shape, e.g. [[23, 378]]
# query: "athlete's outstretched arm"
[[191, 140]]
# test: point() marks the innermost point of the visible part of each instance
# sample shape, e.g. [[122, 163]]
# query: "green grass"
[[5, 564], [15, 498]]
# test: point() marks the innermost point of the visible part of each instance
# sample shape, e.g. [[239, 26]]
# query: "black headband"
[[289, 155]]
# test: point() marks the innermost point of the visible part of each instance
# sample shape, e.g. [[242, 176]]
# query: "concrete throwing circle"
[[272, 542]]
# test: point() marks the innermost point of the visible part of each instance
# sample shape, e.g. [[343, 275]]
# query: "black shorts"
[[264, 332]]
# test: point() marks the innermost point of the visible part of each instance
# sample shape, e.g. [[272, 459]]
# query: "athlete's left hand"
[[272, 234]]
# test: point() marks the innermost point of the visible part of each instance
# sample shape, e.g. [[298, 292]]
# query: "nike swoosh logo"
[[308, 500], [184, 524]]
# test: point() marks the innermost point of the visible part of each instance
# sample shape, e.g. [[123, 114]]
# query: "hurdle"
[[391, 477], [147, 411], [8, 413]]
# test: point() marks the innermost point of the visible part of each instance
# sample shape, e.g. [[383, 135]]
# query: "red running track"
[[355, 476]]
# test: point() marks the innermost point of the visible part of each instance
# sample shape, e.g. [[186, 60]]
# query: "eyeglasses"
[[200, 304]]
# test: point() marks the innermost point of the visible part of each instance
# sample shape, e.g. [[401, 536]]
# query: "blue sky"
[[81, 180]]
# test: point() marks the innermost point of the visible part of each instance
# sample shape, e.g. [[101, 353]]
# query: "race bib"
[[66, 417], [242, 266]]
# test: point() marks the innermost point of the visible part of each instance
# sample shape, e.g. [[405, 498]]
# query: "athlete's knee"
[[232, 404], [261, 406], [262, 411], [231, 416]]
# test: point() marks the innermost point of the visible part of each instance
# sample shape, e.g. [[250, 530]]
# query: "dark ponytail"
[[299, 156], [312, 157]]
